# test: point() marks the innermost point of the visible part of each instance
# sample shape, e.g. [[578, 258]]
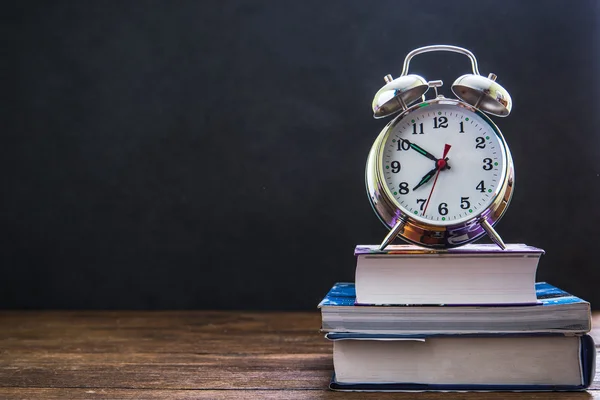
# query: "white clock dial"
[[438, 190]]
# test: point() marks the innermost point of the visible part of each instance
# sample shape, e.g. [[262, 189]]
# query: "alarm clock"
[[440, 174]]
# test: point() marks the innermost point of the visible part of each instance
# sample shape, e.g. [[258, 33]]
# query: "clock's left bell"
[[398, 94]]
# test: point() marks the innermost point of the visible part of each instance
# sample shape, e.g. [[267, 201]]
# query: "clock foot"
[[492, 234], [392, 234]]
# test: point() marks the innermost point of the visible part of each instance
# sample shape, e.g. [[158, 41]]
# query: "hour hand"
[[421, 150], [426, 178]]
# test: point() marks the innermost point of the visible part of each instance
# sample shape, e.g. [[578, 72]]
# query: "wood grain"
[[180, 355]]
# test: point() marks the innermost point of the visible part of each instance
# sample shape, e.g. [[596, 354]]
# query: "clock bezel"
[[426, 232]]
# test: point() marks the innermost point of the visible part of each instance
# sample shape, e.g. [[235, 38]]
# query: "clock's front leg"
[[492, 233], [393, 233]]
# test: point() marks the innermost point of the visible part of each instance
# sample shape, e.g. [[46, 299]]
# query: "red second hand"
[[446, 150]]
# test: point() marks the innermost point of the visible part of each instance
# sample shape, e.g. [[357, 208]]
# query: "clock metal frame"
[[429, 234]]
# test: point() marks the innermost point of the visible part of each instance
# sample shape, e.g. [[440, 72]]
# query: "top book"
[[473, 274]]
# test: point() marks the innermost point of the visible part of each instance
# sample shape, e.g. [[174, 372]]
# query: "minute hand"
[[422, 151]]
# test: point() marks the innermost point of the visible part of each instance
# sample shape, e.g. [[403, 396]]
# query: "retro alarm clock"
[[440, 174]]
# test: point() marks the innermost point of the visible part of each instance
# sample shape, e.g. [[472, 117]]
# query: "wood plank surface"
[[181, 355]]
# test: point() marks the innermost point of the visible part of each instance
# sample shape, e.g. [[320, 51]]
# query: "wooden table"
[[181, 355]]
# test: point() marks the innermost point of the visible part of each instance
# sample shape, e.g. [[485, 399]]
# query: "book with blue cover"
[[556, 311], [458, 363]]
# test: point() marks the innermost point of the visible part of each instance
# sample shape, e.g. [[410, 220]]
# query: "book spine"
[[588, 360]]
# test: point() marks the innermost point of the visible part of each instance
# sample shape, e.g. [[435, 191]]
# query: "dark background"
[[211, 154]]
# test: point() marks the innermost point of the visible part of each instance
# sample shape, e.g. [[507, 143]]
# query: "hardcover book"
[[451, 363], [472, 274], [555, 311]]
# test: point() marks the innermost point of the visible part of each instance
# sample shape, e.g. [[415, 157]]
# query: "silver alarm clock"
[[440, 174]]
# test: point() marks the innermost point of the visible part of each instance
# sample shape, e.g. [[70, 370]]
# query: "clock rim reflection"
[[425, 232]]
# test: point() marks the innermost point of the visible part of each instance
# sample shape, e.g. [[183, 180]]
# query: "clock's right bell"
[[483, 93]]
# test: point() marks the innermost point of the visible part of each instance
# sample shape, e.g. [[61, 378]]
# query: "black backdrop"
[[211, 154]]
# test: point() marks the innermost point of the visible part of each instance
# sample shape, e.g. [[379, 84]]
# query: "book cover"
[[476, 249], [556, 311], [343, 294]]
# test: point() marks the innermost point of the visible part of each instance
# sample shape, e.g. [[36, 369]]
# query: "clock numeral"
[[441, 122], [420, 129], [395, 167], [443, 208], [403, 188], [422, 201], [481, 187], [464, 201], [403, 144], [487, 164], [480, 143], [462, 127]]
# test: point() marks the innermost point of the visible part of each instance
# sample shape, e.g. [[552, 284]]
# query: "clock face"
[[443, 163]]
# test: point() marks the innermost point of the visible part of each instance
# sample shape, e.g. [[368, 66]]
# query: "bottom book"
[[460, 363]]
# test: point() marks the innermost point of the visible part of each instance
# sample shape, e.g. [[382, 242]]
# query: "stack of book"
[[471, 318]]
